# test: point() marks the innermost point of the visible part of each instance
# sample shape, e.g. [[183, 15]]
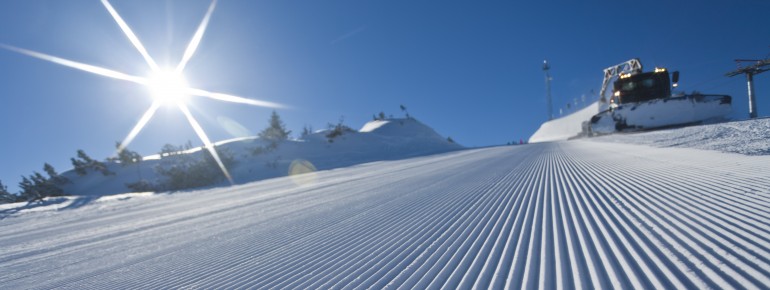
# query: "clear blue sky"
[[470, 69]]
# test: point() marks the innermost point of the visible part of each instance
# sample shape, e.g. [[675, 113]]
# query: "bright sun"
[[168, 87]]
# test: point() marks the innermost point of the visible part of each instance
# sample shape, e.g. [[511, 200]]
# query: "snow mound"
[[257, 159], [748, 137]]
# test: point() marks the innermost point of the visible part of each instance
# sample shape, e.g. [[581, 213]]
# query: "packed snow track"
[[576, 214]]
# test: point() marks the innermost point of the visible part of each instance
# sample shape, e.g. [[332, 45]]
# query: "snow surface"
[[749, 137], [575, 214]]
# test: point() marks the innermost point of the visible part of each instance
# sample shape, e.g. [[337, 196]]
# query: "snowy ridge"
[[565, 214], [566, 127]]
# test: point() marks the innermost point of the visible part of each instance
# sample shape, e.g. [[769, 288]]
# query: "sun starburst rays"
[[196, 40], [178, 87], [206, 142], [77, 65], [233, 99], [139, 125], [130, 34]]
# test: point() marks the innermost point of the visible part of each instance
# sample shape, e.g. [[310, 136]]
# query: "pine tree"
[[3, 188], [82, 155], [5, 196], [29, 191], [84, 162], [403, 109], [306, 131], [53, 176], [79, 166], [276, 130], [37, 186], [46, 186]]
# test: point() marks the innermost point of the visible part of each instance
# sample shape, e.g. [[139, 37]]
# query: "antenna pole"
[[546, 67]]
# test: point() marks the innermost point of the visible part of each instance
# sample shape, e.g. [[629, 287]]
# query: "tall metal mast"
[[760, 66], [546, 67]]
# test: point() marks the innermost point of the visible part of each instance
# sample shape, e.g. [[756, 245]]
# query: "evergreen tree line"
[[37, 186], [179, 170]]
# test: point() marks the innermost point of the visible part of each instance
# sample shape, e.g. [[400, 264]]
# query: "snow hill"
[[388, 139], [566, 127], [589, 213]]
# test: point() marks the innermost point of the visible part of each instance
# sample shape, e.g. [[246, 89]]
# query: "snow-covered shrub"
[[336, 130], [273, 164], [142, 186], [259, 150], [184, 171]]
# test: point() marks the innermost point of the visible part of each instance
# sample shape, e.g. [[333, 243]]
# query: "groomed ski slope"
[[578, 214]]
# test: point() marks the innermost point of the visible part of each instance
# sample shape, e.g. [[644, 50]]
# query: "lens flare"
[[234, 128], [302, 172]]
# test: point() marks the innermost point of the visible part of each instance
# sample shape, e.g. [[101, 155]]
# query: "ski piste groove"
[[554, 215]]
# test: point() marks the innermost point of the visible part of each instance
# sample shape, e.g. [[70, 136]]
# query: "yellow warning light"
[[659, 70]]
